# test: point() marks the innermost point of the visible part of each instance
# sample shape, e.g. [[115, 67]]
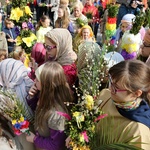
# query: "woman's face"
[[134, 4], [77, 12], [86, 33], [51, 49], [119, 94], [145, 49], [60, 13], [46, 23]]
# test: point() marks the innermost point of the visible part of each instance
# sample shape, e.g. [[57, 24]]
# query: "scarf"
[[140, 114], [63, 39], [14, 76]]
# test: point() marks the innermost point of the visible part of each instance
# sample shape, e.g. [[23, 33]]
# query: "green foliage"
[[20, 3], [11, 106], [80, 22], [138, 23], [147, 18], [112, 11]]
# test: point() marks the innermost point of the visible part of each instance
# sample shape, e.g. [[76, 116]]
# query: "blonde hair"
[[86, 27], [17, 52], [78, 5], [3, 52], [65, 19]]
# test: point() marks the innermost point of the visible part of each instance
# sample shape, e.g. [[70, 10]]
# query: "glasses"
[[146, 45], [49, 48], [114, 89]]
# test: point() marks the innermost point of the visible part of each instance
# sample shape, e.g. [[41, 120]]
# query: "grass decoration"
[[147, 18], [112, 10], [138, 23]]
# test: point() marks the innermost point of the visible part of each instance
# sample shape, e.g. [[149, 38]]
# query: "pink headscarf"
[[38, 53]]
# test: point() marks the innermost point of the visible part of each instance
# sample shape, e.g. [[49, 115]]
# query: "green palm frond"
[[109, 136]]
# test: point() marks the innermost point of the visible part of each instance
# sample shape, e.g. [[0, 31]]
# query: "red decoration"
[[111, 20]]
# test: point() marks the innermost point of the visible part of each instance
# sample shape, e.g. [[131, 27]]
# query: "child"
[[51, 113], [85, 34], [19, 54], [10, 34], [63, 20], [126, 24], [42, 28], [3, 54]]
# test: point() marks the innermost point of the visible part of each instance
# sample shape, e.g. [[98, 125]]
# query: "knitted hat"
[[147, 37], [129, 18]]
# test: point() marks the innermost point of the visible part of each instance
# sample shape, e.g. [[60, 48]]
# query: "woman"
[[127, 102], [77, 18], [58, 45]]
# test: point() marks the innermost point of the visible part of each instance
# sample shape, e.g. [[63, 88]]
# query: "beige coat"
[[3, 41], [136, 129]]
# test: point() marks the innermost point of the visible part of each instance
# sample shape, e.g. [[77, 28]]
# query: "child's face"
[[46, 23], [124, 27], [86, 33], [2, 57], [23, 57], [60, 13], [10, 24], [38, 84]]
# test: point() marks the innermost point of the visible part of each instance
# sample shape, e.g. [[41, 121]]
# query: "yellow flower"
[[16, 14], [33, 36], [89, 102], [81, 138], [79, 118], [28, 11], [13, 122], [19, 40], [21, 119], [28, 41]]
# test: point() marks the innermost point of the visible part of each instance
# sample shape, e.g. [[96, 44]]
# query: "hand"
[[49, 5], [11, 40], [33, 64], [68, 141], [33, 90], [30, 138]]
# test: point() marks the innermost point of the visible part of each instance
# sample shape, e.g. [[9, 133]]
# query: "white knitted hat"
[[129, 18]]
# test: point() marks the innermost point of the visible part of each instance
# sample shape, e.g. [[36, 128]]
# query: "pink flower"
[[100, 117], [24, 25], [84, 134]]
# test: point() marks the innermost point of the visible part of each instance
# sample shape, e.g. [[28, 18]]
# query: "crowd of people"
[[66, 44]]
